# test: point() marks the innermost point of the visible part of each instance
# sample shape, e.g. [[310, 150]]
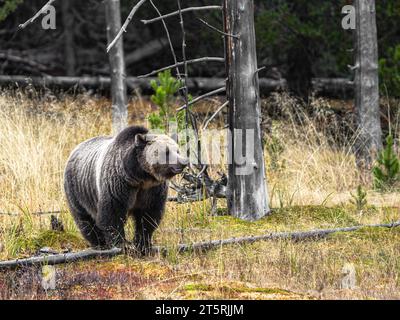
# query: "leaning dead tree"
[[247, 190], [366, 83], [199, 247], [117, 67]]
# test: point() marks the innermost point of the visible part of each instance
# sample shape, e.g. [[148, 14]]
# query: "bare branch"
[[14, 214], [169, 39], [217, 30], [188, 115], [191, 9], [293, 236], [209, 94], [205, 59], [215, 114], [37, 15], [127, 21]]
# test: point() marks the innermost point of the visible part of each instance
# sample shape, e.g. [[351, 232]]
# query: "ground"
[[311, 183]]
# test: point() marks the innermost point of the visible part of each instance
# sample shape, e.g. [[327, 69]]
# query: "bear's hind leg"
[[88, 228]]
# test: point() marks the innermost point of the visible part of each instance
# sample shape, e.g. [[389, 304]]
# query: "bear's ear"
[[140, 139]]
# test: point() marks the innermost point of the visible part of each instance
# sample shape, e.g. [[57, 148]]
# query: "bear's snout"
[[179, 166], [184, 162]]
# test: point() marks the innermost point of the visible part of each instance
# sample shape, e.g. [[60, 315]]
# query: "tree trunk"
[[117, 66], [247, 190], [366, 84], [69, 46], [300, 57]]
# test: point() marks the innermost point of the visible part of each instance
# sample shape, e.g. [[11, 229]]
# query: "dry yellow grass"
[[309, 180]]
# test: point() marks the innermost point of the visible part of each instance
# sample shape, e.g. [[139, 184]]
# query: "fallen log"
[[18, 59], [336, 87], [293, 236], [195, 84], [54, 259], [151, 48], [340, 87]]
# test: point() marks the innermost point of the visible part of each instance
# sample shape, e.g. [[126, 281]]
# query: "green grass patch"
[[17, 244], [369, 233]]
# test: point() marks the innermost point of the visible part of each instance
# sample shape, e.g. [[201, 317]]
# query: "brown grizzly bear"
[[108, 179]]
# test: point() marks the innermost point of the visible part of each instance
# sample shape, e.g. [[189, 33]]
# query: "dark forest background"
[[296, 40]]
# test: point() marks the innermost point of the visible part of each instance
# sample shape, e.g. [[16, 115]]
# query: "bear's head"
[[160, 156]]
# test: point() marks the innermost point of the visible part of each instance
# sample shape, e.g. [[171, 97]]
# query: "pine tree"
[[386, 173]]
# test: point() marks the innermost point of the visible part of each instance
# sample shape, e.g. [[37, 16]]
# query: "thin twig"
[[37, 15], [209, 94], [217, 30], [171, 46], [215, 114], [127, 21], [179, 64], [188, 115], [32, 213], [172, 14]]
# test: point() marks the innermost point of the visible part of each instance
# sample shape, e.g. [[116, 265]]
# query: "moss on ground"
[[236, 290], [285, 219]]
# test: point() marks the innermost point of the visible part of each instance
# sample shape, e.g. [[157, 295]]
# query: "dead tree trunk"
[[117, 66], [69, 50], [366, 84], [247, 190]]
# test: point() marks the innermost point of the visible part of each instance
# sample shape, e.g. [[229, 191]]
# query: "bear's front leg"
[[111, 220], [150, 205], [145, 226]]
